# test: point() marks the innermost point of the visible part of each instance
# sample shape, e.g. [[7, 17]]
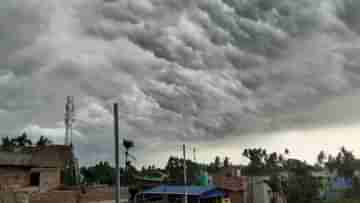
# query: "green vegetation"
[[301, 186], [9, 144], [101, 173], [175, 169], [43, 141]]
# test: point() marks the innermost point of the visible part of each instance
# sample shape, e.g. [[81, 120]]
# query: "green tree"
[[287, 151], [257, 158], [101, 173], [7, 144], [273, 161], [226, 162], [320, 159], [22, 141], [214, 166], [175, 169], [299, 187], [217, 163], [344, 163], [43, 141], [127, 144], [302, 188]]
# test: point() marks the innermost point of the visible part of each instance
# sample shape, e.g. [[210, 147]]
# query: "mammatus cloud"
[[180, 70]]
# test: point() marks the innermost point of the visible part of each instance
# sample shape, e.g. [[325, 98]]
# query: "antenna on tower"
[[69, 119]]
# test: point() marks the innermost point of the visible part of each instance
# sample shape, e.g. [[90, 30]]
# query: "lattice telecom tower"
[[69, 119]]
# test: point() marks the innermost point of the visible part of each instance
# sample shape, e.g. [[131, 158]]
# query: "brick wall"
[[14, 197], [13, 178], [96, 195], [236, 197], [55, 197], [49, 179], [92, 195]]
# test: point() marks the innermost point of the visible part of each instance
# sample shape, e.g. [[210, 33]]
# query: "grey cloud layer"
[[191, 69]]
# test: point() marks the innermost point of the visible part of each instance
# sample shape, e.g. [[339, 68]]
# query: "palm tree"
[[128, 144], [7, 143], [287, 152], [22, 141], [43, 141]]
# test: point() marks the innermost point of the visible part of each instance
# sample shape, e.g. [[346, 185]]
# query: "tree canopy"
[[43, 141], [9, 144], [175, 169], [101, 173]]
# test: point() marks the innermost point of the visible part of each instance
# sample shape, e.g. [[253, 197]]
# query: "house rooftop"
[[52, 156], [200, 191]]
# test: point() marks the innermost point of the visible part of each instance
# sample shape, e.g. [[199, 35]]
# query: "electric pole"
[[116, 134], [185, 175]]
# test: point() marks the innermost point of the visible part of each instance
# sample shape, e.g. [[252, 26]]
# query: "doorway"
[[35, 179]]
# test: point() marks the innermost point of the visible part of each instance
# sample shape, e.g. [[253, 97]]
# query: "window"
[[35, 179]]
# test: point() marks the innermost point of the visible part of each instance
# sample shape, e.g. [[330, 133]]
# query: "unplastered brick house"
[[42, 168], [234, 185]]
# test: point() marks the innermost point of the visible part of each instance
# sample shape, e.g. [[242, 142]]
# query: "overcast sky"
[[220, 75]]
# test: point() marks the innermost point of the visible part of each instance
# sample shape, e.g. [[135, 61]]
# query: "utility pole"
[[185, 176], [116, 134], [194, 154]]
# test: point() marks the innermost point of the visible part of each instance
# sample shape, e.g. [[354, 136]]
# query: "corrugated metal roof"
[[213, 194]]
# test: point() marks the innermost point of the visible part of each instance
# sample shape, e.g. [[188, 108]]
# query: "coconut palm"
[[128, 144], [7, 143], [22, 141], [43, 141]]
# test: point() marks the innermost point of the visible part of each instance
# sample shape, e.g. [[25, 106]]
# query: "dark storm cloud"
[[188, 70]]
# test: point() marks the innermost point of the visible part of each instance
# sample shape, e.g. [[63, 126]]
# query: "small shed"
[[174, 194]]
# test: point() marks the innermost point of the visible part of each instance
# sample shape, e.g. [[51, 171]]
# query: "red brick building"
[[41, 167], [230, 180]]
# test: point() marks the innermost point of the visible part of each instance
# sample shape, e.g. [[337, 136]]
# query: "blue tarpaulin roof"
[[202, 191], [342, 183], [212, 194]]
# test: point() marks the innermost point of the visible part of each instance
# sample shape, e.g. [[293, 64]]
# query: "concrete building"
[[258, 191], [40, 167]]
